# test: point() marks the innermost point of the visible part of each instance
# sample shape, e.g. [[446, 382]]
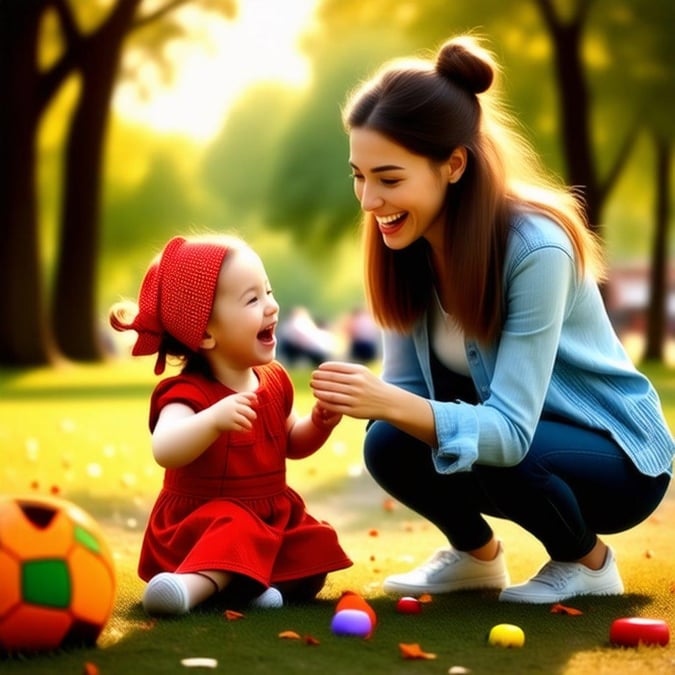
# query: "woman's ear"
[[208, 342], [456, 164]]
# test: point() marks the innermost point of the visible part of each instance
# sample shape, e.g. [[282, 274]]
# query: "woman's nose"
[[370, 198]]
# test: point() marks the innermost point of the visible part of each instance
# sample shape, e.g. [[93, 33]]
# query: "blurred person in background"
[[302, 340]]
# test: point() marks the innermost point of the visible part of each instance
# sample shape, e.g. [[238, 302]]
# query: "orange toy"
[[351, 600]]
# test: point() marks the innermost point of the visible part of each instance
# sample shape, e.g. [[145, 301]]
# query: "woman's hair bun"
[[464, 62]]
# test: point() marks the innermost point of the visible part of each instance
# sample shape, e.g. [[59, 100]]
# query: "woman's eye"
[[356, 176], [390, 181]]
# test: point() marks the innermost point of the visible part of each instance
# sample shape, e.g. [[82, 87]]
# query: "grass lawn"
[[83, 431]]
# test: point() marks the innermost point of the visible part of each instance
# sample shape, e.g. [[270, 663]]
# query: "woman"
[[505, 391]]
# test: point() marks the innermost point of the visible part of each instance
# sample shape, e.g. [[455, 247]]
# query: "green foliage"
[[278, 170]]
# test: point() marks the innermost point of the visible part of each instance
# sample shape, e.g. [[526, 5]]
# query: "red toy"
[[408, 605], [58, 579], [631, 631]]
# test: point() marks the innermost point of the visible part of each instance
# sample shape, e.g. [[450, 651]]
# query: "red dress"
[[231, 509]]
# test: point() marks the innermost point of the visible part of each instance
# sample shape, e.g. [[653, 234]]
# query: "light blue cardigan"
[[557, 354]]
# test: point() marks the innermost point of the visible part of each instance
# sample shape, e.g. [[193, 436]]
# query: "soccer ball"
[[57, 585]]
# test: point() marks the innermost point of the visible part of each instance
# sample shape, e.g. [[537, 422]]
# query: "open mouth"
[[391, 221], [266, 336]]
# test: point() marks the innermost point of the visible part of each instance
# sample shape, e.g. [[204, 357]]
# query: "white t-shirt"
[[447, 340]]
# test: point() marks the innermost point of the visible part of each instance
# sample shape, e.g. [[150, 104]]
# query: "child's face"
[[245, 313]]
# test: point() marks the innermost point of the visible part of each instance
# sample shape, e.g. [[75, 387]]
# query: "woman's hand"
[[351, 389]]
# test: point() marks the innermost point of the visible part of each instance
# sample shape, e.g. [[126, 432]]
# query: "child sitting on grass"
[[222, 429]]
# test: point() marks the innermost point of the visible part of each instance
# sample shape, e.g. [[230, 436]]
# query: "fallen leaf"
[[649, 554], [289, 635], [90, 669], [414, 651], [563, 609], [311, 640], [425, 598], [147, 625], [231, 615], [389, 504], [373, 533]]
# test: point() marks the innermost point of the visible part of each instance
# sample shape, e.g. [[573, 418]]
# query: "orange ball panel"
[[32, 628], [26, 541], [93, 587], [10, 588]]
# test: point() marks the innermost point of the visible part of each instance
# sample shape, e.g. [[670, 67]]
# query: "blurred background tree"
[[591, 82], [45, 43]]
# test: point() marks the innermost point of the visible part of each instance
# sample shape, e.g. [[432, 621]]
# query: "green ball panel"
[[87, 539], [46, 583]]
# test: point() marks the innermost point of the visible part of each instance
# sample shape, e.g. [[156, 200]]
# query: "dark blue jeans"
[[573, 483]]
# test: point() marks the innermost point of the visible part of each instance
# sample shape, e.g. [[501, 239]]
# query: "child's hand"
[[324, 419], [235, 412]]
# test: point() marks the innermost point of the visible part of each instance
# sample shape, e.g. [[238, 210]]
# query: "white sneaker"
[[558, 581], [450, 570], [270, 598], [166, 594]]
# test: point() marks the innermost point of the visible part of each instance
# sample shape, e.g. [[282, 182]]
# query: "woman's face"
[[404, 192]]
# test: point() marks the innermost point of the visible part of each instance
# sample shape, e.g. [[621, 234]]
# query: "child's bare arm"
[[181, 435], [307, 434]]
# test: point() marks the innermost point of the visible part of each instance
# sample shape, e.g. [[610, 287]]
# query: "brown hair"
[[431, 108]]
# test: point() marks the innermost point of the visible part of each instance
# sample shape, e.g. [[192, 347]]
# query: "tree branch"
[[52, 79], [605, 187], [68, 24], [158, 14]]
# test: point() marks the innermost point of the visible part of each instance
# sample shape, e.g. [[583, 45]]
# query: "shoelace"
[[442, 558], [555, 574]]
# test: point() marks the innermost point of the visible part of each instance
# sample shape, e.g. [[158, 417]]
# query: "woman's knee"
[[382, 444]]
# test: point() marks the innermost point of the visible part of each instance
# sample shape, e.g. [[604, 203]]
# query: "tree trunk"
[[24, 336], [575, 105], [75, 320], [658, 297]]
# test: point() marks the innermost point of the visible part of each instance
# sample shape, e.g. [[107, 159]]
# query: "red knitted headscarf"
[[176, 297]]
